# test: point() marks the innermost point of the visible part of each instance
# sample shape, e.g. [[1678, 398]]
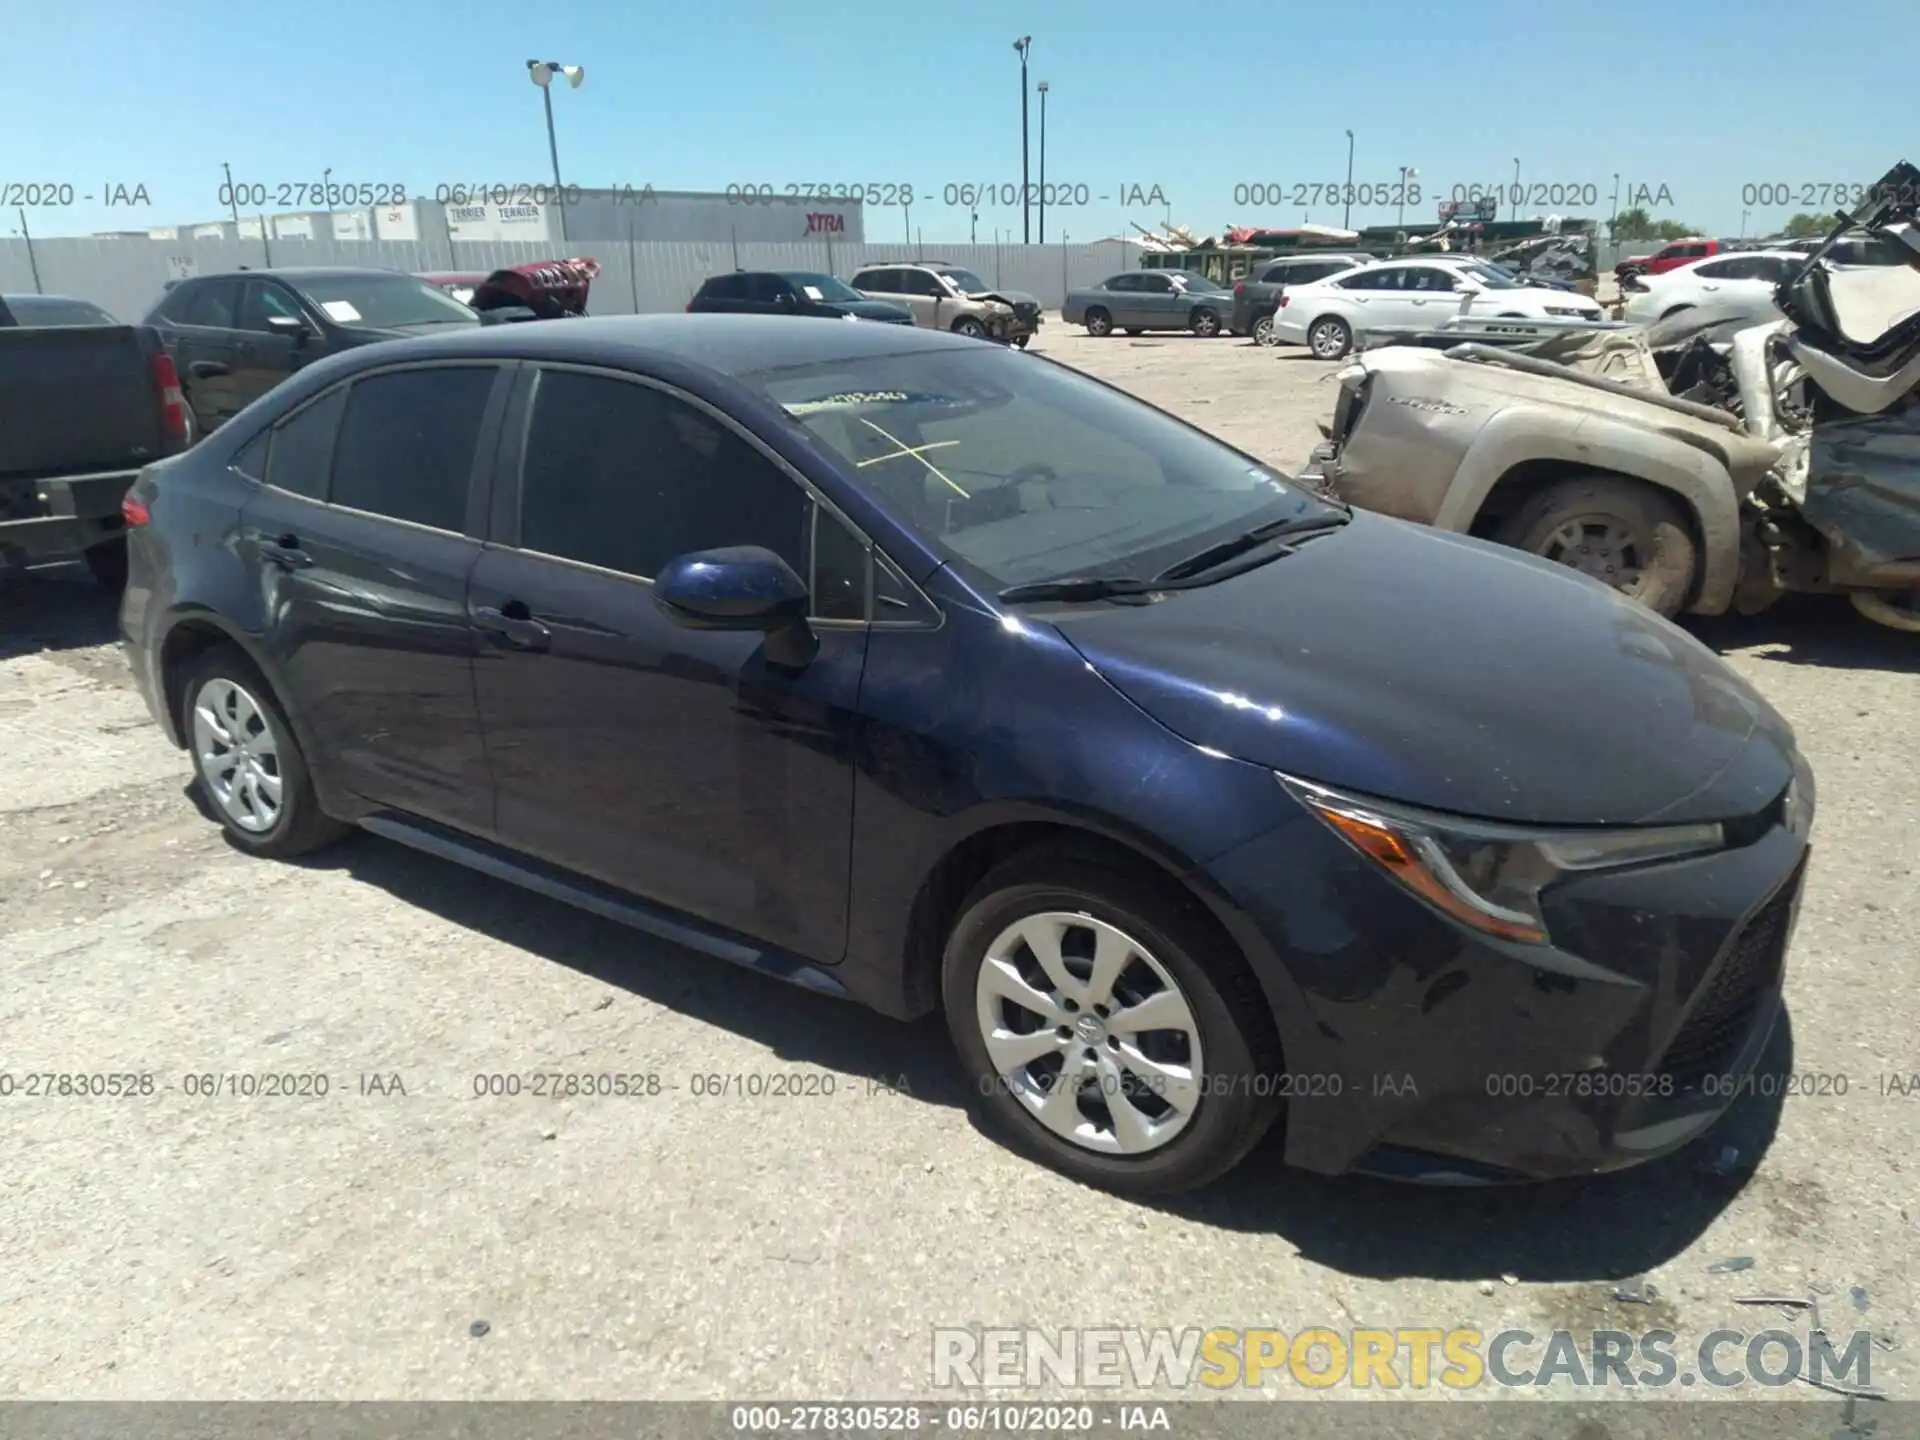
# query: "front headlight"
[[1486, 875]]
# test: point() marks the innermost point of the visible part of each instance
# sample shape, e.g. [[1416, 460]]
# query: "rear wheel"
[[247, 762], [1621, 532], [1107, 1034], [1329, 338], [1204, 322], [1099, 322], [1263, 331]]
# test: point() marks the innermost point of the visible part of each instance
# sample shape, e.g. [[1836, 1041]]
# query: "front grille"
[[1027, 310], [1729, 1000]]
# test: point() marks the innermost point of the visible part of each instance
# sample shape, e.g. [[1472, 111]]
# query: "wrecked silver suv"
[[1705, 469]]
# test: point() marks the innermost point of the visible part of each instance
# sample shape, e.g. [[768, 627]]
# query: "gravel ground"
[[684, 1246]]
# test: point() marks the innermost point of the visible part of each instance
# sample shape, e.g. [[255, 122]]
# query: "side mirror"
[[507, 315], [289, 325], [1467, 285], [786, 300], [742, 587]]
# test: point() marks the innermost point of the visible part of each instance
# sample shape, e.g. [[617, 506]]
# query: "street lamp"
[[1022, 45], [1613, 209], [1743, 223], [1041, 86], [1407, 172], [541, 72], [1346, 212], [326, 189]]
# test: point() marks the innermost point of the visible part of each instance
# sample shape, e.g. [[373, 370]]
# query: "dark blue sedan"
[[914, 670]]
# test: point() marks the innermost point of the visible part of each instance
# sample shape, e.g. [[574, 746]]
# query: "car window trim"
[[480, 472], [510, 485]]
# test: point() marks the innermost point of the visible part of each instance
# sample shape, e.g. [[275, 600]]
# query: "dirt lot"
[[344, 1246]]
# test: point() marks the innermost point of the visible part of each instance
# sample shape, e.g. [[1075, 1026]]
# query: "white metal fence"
[[126, 275]]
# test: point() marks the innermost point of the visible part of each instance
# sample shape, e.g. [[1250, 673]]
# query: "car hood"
[[1426, 667], [875, 310], [1011, 298]]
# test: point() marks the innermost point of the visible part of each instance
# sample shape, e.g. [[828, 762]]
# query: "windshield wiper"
[[1297, 525], [1082, 587]]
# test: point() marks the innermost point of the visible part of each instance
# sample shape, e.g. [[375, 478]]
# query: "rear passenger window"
[[627, 477], [407, 443], [302, 447], [211, 305]]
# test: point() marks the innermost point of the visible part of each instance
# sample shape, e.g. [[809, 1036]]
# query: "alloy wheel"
[[1090, 1033], [237, 756], [1328, 340], [1602, 546], [1263, 332]]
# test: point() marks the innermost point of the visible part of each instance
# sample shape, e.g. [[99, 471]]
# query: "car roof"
[[732, 345], [301, 272], [15, 299]]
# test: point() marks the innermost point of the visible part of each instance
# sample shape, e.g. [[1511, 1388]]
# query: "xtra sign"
[[826, 222]]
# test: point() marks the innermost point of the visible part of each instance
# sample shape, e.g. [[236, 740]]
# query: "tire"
[[1168, 946], [298, 826], [108, 562], [1021, 341], [1263, 332], [1204, 322], [1888, 611], [1624, 533], [1098, 322], [970, 327], [1330, 338]]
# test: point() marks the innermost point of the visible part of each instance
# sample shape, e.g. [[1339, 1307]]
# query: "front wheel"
[[1099, 322], [1623, 533], [1330, 338], [1107, 1032], [970, 327], [1898, 611], [1204, 322], [246, 760]]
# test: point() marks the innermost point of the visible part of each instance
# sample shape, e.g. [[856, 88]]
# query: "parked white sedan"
[[1417, 295], [1723, 286]]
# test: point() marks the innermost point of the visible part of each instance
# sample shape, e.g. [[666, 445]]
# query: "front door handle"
[[513, 626], [284, 551]]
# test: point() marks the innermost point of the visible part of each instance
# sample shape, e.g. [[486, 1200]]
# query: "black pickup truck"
[[1257, 297], [84, 407]]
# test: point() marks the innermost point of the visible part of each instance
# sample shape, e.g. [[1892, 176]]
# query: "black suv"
[[791, 292], [234, 337]]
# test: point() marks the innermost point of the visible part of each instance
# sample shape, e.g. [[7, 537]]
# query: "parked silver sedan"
[[1139, 300]]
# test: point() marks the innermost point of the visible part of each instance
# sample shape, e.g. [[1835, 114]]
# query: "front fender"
[[1686, 464]]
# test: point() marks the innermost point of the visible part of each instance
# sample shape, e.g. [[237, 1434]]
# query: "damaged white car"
[[1697, 467]]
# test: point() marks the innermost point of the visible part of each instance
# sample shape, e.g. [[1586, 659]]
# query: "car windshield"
[[1025, 471], [1189, 280], [806, 282], [1493, 277], [383, 302], [41, 311], [966, 280]]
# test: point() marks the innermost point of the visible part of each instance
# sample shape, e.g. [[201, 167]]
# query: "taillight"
[[1240, 287], [134, 510], [689, 307], [173, 401], [1283, 299]]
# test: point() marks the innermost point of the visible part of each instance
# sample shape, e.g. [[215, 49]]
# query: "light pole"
[[1346, 210], [1613, 209], [1517, 194], [1743, 223], [1041, 86], [1407, 172], [541, 72], [326, 190], [1026, 214]]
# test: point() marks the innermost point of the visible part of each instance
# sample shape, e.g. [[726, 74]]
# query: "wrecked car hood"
[[1442, 671]]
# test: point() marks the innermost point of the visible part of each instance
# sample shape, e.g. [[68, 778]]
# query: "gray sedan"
[[1140, 300]]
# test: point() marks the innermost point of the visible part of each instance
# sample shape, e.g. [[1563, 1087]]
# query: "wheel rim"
[[237, 756], [1327, 339], [1263, 333], [1603, 546], [1090, 1033], [970, 327], [1099, 324], [1206, 323]]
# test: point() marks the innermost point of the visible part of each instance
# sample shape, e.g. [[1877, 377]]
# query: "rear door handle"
[[284, 551], [513, 626]]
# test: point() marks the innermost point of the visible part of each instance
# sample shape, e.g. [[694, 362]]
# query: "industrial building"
[[527, 212]]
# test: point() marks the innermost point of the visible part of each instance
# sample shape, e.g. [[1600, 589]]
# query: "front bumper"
[[1422, 1049]]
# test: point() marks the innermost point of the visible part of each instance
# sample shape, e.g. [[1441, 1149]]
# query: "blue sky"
[[1704, 99]]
